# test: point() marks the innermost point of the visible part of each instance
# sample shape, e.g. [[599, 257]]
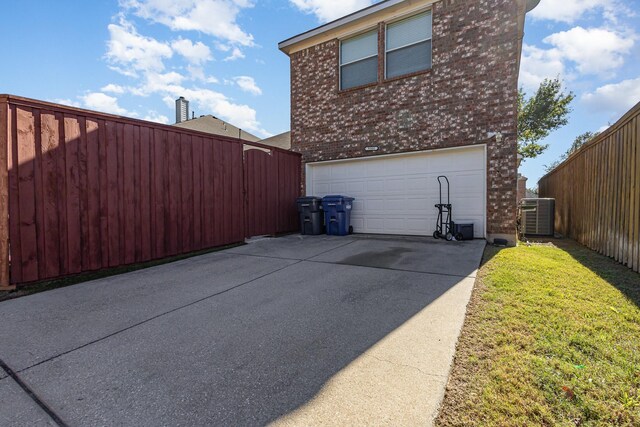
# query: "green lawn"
[[552, 337]]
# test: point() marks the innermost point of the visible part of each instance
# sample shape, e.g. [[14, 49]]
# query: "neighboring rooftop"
[[282, 140], [213, 125]]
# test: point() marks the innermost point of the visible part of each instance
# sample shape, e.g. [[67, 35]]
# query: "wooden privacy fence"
[[597, 192], [82, 191]]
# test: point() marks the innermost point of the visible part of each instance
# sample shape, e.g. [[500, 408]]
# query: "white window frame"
[[386, 42], [340, 64]]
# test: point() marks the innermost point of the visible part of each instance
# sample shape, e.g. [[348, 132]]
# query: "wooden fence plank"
[[94, 225], [14, 200], [160, 192], [83, 194], [633, 207], [145, 193], [137, 186], [186, 190], [27, 193], [173, 164], [636, 230], [39, 196], [5, 140], [197, 193], [207, 192], [72, 146], [104, 194], [112, 193], [128, 189]]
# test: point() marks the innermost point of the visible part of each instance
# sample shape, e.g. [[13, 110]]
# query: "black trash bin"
[[337, 211], [310, 213]]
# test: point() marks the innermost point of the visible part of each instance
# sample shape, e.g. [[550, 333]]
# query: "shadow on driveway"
[[249, 337]]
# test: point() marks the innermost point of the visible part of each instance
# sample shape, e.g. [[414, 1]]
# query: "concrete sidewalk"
[[298, 330]]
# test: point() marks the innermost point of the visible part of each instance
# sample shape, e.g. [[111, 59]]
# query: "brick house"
[[386, 99]]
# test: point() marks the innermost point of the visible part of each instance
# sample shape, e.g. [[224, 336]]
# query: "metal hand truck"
[[444, 224]]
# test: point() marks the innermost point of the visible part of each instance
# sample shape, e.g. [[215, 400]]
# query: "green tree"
[[580, 141], [575, 146], [544, 112]]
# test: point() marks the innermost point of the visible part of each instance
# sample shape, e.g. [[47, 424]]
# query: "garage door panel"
[[373, 205], [356, 187], [417, 184], [338, 188], [373, 224], [375, 185], [397, 194]]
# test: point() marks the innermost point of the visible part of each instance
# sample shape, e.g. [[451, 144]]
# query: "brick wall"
[[471, 90]]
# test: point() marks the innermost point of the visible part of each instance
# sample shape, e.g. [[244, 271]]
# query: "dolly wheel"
[[449, 237], [459, 236], [436, 234]]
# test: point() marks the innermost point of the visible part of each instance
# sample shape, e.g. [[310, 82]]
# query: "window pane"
[[411, 30], [359, 73], [409, 59], [359, 47]]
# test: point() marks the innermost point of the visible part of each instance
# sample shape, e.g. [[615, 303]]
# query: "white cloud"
[[113, 88], [235, 54], [143, 59], [213, 17], [66, 101], [202, 100], [196, 53], [222, 47], [328, 10], [101, 102], [616, 98], [594, 50], [568, 10], [153, 116], [197, 73], [537, 65], [205, 101], [131, 52], [248, 84]]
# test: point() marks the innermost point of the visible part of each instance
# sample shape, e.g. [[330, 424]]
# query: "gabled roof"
[[215, 126], [383, 7], [282, 140]]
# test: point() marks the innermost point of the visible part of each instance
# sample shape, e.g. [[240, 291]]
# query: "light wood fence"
[[597, 192]]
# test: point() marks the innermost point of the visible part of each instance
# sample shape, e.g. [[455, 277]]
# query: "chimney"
[[182, 110]]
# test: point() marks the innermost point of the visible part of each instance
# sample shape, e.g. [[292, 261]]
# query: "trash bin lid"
[[337, 198], [307, 199]]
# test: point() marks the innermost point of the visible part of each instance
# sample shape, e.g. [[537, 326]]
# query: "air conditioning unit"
[[537, 216]]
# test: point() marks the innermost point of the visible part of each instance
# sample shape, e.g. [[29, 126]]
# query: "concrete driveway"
[[299, 330]]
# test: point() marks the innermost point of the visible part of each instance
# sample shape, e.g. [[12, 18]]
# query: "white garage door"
[[396, 194]]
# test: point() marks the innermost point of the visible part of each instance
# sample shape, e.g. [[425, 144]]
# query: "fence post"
[[4, 196]]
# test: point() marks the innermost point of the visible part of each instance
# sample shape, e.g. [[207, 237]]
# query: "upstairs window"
[[408, 46], [359, 60]]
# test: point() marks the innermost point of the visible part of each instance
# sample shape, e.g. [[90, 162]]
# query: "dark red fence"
[[83, 191], [266, 174]]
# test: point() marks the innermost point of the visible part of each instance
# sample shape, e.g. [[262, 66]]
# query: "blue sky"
[[134, 57]]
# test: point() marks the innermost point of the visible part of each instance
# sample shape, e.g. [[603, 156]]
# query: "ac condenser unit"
[[537, 216]]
